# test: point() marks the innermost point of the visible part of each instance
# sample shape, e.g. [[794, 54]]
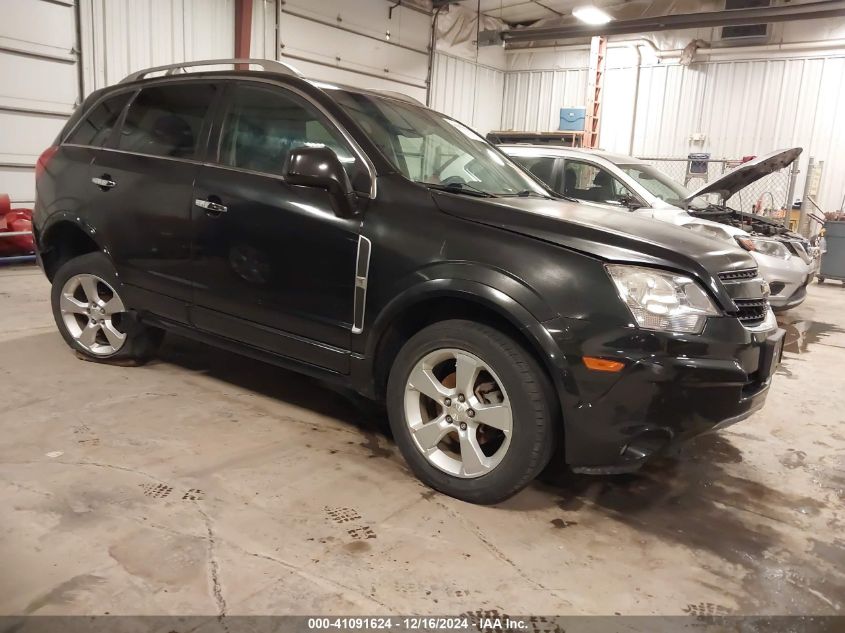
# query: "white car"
[[603, 179]]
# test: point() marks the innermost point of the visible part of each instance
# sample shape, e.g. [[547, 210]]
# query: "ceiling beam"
[[824, 9]]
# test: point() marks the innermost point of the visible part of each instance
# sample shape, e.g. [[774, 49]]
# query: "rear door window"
[[96, 128], [167, 120]]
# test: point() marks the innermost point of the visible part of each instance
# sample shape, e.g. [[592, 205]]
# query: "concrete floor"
[[204, 482]]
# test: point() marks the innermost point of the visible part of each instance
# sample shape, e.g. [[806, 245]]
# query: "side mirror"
[[320, 167], [629, 201]]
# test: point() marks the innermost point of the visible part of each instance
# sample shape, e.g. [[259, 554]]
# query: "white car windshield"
[[661, 186], [434, 150]]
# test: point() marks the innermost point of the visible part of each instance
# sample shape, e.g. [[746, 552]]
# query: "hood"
[[745, 174], [607, 234]]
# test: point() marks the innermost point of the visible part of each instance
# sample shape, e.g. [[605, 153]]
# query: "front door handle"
[[211, 207], [104, 182]]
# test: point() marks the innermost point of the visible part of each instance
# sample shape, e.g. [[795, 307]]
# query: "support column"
[[243, 28]]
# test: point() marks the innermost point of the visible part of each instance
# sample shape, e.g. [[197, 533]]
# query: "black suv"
[[361, 238]]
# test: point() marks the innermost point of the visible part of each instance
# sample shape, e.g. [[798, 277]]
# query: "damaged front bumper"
[[673, 387]]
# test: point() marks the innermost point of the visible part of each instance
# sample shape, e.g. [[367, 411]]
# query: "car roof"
[[554, 150]]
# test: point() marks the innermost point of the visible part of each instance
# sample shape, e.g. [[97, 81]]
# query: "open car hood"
[[745, 174]]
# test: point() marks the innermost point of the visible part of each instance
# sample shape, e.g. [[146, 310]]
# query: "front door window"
[[586, 181]]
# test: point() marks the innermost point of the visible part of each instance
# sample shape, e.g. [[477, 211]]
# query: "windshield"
[[657, 183], [434, 150]]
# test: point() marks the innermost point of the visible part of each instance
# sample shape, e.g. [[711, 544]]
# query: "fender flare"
[[527, 319], [67, 217], [44, 254]]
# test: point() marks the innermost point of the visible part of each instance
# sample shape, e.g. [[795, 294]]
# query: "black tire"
[[535, 417], [141, 341]]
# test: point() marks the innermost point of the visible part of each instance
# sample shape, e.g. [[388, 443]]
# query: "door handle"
[[211, 207], [104, 182]]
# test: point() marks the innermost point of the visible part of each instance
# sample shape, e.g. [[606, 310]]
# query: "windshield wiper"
[[457, 187], [563, 196], [525, 193]]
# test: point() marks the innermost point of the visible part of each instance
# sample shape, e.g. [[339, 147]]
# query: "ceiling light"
[[591, 15]]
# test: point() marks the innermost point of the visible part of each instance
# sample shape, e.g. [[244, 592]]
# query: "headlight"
[[661, 300], [765, 246]]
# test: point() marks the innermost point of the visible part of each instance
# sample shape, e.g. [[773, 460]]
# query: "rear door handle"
[[104, 182], [211, 207]]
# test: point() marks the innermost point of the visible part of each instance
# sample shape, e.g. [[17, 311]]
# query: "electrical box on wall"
[[490, 38], [572, 119]]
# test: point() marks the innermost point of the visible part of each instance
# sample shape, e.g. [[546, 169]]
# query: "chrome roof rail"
[[398, 95], [268, 65]]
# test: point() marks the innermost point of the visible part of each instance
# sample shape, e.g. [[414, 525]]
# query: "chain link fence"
[[770, 196]]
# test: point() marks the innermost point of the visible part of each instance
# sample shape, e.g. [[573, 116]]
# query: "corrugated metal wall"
[[470, 92], [533, 99], [120, 36], [742, 107]]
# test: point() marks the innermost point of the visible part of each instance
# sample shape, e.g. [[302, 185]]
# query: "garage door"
[[358, 43], [39, 86]]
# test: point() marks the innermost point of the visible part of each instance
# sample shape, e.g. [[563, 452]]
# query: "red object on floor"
[[14, 221]]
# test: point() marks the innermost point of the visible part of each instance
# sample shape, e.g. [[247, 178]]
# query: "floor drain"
[[156, 491], [343, 515], [361, 533], [193, 494]]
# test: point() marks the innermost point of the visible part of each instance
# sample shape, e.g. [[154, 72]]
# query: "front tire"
[[471, 411], [92, 316]]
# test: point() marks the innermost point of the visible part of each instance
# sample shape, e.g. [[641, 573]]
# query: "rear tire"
[[92, 316], [489, 428]]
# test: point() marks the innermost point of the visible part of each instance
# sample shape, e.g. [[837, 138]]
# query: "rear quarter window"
[[167, 120], [96, 128]]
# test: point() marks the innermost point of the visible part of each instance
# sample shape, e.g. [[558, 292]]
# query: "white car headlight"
[[662, 300], [765, 246]]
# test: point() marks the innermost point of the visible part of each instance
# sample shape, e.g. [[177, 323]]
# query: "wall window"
[[96, 128], [262, 125], [167, 120]]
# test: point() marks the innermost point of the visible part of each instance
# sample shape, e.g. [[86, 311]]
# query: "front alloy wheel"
[[471, 410], [458, 413]]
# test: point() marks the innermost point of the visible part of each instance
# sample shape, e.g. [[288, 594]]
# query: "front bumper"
[[673, 387], [787, 279]]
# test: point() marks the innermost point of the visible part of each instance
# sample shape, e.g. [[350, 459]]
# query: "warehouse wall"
[[38, 86], [121, 36], [743, 103], [469, 91]]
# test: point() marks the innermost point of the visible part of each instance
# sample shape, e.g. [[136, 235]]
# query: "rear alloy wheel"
[[92, 312], [471, 411], [93, 318]]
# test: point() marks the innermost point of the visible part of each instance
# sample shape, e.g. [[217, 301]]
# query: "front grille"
[[751, 311], [738, 275]]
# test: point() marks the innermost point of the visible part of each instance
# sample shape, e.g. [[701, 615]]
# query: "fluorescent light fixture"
[[591, 15]]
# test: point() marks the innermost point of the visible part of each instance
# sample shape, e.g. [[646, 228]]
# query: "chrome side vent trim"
[[362, 273]]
